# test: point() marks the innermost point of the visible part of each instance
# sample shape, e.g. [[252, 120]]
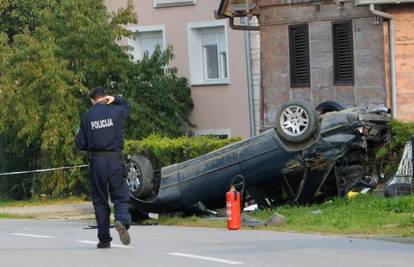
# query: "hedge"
[[163, 151], [389, 156]]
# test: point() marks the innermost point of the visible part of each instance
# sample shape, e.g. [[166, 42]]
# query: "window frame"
[[196, 53], [337, 80], [293, 79], [219, 37], [206, 62], [145, 29]]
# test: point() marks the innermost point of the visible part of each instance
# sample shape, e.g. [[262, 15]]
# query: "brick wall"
[[404, 56]]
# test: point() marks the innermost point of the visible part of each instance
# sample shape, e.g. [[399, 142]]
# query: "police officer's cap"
[[97, 92]]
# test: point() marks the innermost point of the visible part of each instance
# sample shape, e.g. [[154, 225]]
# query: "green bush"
[[388, 157], [165, 151]]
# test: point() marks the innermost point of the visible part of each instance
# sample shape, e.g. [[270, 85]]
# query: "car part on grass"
[[402, 182], [249, 221], [307, 157], [398, 189], [275, 220]]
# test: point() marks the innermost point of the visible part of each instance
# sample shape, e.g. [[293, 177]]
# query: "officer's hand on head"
[[109, 99]]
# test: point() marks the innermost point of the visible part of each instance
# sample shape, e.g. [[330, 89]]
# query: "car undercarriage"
[[308, 156]]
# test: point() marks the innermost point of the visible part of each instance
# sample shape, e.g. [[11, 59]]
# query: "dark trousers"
[[106, 178]]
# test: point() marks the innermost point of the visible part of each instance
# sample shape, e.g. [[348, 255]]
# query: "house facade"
[[325, 52], [351, 52], [208, 52]]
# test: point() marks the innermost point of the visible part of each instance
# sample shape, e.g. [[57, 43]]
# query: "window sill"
[[211, 83], [174, 4]]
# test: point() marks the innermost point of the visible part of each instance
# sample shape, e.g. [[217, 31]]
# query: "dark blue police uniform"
[[102, 134]]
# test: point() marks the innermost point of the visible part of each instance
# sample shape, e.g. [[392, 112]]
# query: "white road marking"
[[94, 243], [36, 236], [205, 258]]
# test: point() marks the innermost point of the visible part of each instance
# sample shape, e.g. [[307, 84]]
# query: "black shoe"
[[123, 233], [106, 244]]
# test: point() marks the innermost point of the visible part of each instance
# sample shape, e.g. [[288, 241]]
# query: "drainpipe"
[[392, 56], [249, 80]]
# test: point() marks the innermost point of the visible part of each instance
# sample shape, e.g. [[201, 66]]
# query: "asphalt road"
[[56, 243]]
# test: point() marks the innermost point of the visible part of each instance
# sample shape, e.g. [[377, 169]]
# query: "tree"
[[40, 107], [161, 101], [18, 16], [52, 52], [84, 32], [86, 35]]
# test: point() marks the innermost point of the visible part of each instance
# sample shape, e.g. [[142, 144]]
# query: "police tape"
[[45, 170]]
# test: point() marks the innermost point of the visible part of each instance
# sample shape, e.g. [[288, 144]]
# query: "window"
[[214, 54], [208, 54], [343, 53], [299, 56], [169, 3], [145, 40]]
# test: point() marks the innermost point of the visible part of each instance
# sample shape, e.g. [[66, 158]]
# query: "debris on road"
[[276, 220]]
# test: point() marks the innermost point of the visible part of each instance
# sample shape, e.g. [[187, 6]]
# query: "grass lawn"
[[364, 215]]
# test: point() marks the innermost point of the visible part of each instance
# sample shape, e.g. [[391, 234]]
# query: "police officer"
[[101, 134]]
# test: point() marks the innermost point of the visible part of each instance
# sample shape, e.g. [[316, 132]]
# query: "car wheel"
[[140, 176], [296, 121]]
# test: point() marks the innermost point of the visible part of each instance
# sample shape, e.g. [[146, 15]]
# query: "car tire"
[[140, 177], [296, 121]]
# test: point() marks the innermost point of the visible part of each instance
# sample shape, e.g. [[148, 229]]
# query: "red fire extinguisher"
[[233, 200]]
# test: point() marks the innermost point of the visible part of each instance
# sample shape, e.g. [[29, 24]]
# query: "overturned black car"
[[307, 156]]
